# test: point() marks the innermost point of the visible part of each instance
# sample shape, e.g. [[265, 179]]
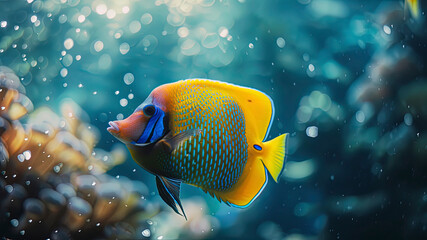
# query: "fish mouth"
[[113, 128]]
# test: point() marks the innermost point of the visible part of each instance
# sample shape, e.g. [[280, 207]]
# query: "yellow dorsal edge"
[[257, 107]]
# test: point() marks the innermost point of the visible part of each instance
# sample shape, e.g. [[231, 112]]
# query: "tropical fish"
[[208, 134]]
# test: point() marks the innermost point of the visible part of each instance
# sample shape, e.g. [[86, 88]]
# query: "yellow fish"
[[208, 134]]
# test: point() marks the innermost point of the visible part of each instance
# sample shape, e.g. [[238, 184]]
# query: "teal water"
[[348, 79]]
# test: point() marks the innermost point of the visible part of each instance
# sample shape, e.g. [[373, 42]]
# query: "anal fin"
[[169, 192]]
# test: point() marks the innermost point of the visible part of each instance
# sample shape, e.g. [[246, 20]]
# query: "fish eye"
[[149, 110]]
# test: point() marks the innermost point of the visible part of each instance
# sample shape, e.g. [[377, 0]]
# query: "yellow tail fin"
[[273, 155]]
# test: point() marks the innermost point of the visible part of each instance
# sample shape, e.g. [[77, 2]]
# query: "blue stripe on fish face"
[[155, 128]]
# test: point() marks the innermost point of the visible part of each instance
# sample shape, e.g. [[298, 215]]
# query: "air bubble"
[[62, 19], [111, 14], [57, 168], [387, 29], [27, 154], [128, 78], [146, 18], [360, 116], [125, 9], [101, 9], [14, 222], [124, 48], [134, 26], [98, 46], [211, 40], [67, 60], [223, 32], [408, 119], [21, 158], [146, 233], [81, 18], [312, 131], [63, 72], [280, 42], [183, 32], [33, 18], [123, 102], [8, 188]]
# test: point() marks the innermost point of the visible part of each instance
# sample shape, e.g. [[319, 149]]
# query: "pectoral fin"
[[171, 143], [169, 191]]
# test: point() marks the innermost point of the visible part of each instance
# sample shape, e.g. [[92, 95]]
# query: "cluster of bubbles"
[[107, 27], [98, 36], [53, 182]]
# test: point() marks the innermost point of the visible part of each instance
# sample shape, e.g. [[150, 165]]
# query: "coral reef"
[[53, 181]]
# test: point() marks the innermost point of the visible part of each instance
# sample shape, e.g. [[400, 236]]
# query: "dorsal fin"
[[257, 106], [169, 192]]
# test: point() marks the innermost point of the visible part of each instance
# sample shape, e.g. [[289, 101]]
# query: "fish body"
[[208, 134]]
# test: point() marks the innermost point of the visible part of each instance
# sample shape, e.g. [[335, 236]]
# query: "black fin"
[[173, 142], [169, 191]]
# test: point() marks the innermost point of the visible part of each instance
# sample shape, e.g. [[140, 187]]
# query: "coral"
[[54, 182]]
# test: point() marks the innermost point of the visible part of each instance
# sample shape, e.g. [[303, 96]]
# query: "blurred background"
[[348, 79]]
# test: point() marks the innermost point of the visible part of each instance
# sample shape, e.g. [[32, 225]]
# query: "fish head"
[[129, 129], [144, 125]]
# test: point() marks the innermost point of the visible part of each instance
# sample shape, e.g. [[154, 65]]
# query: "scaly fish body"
[[215, 159], [208, 134]]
